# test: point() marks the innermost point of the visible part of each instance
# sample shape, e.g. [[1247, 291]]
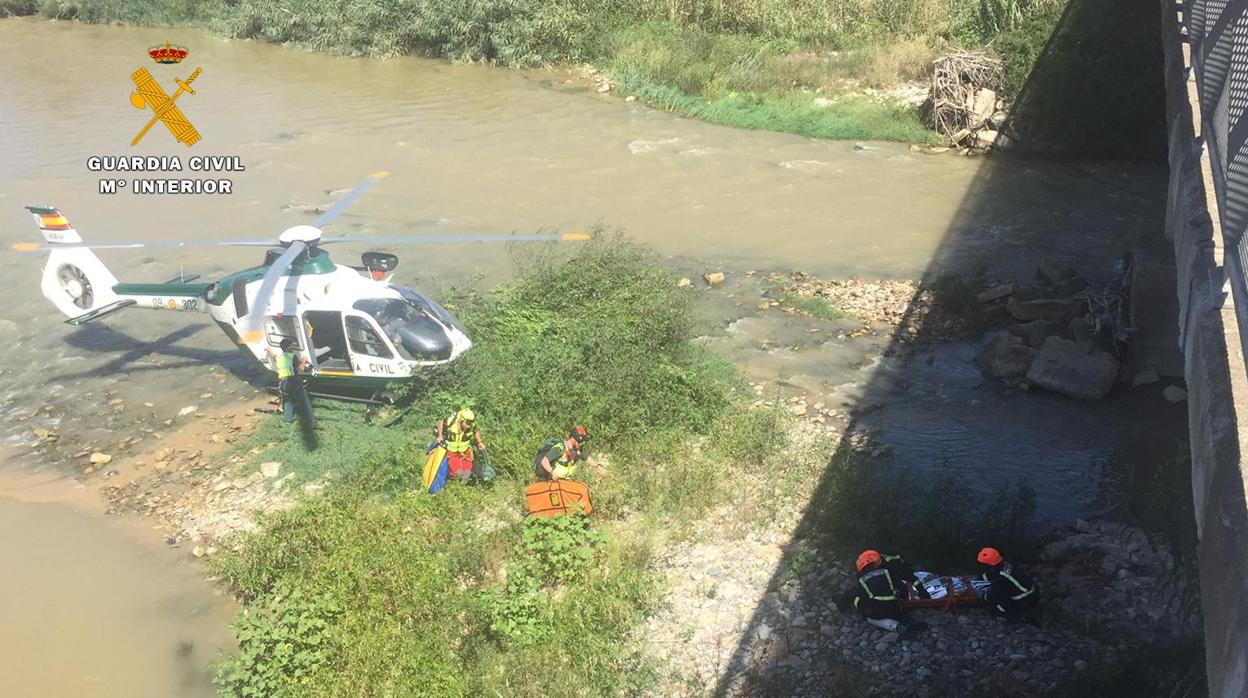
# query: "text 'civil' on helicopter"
[[359, 332]]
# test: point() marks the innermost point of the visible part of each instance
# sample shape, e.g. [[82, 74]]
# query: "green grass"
[[814, 306], [375, 588], [850, 118]]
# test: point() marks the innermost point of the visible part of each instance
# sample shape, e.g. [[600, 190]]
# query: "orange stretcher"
[[553, 498], [949, 593]]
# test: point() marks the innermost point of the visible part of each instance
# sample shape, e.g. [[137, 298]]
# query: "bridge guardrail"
[[1217, 35]]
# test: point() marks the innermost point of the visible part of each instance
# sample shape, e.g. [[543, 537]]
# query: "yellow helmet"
[[467, 415]]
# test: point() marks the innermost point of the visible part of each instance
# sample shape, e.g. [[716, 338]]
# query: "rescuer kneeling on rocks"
[[1011, 595], [877, 594]]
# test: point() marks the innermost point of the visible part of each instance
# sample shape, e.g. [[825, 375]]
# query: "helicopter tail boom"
[[74, 279]]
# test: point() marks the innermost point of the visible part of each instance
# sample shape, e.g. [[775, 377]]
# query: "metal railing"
[[1217, 35]]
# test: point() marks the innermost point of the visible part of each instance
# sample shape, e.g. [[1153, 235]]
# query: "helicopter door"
[[370, 354], [328, 341], [280, 328]]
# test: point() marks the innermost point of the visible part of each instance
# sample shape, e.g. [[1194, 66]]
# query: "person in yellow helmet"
[[458, 434]]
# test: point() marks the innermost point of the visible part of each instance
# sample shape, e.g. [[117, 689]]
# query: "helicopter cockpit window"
[[430, 306], [415, 331], [364, 340], [281, 328]]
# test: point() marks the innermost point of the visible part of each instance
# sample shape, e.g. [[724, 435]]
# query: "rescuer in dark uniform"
[[1012, 595]]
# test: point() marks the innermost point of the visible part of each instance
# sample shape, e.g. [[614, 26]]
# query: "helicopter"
[[360, 333]]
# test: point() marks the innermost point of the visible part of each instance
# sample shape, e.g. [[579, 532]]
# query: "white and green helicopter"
[[359, 332]]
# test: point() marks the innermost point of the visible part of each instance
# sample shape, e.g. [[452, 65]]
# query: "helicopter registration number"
[[191, 304]]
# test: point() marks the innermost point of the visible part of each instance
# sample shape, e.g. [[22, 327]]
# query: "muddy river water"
[[468, 148]]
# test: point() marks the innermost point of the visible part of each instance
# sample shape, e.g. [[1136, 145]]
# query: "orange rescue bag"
[[548, 498]]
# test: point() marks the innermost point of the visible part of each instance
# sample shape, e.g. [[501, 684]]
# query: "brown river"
[[90, 610]]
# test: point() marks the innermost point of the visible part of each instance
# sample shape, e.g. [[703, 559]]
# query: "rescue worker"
[[903, 574], [289, 364], [558, 458], [1011, 595], [457, 434], [875, 594]]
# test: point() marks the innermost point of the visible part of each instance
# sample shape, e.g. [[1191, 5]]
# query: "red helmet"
[[991, 556], [869, 558]]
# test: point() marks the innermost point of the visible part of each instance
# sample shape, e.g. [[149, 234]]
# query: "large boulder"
[[982, 105], [1060, 279], [1073, 369], [1005, 356], [1035, 332], [1042, 309]]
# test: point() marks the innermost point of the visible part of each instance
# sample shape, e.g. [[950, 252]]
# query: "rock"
[[823, 102], [1060, 279], [41, 433], [1005, 356], [982, 105], [1035, 332], [714, 279], [764, 632], [1042, 309], [995, 293], [271, 469], [986, 138], [1174, 393], [188, 410], [1144, 378], [960, 136], [685, 282], [631, 98], [1075, 370], [98, 458], [604, 87], [199, 551]]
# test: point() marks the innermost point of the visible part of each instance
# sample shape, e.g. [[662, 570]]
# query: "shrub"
[[283, 640]]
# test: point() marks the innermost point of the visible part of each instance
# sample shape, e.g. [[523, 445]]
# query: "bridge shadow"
[[961, 443]]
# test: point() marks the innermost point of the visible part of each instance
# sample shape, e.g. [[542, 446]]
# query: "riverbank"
[[693, 552], [838, 71]]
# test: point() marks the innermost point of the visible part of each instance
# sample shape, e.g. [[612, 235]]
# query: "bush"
[[282, 641]]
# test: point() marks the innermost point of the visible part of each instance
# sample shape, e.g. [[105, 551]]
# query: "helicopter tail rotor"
[[74, 279]]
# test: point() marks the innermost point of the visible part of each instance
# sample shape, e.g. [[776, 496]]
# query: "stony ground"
[[752, 611]]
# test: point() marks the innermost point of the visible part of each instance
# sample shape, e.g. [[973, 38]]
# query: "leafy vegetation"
[[375, 588], [788, 65]]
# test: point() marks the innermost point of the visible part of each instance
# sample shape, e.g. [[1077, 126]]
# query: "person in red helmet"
[[878, 592], [1011, 594], [558, 458]]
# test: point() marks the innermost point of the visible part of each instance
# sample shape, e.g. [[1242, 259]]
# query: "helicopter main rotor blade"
[[139, 245], [341, 205], [440, 238], [251, 331]]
